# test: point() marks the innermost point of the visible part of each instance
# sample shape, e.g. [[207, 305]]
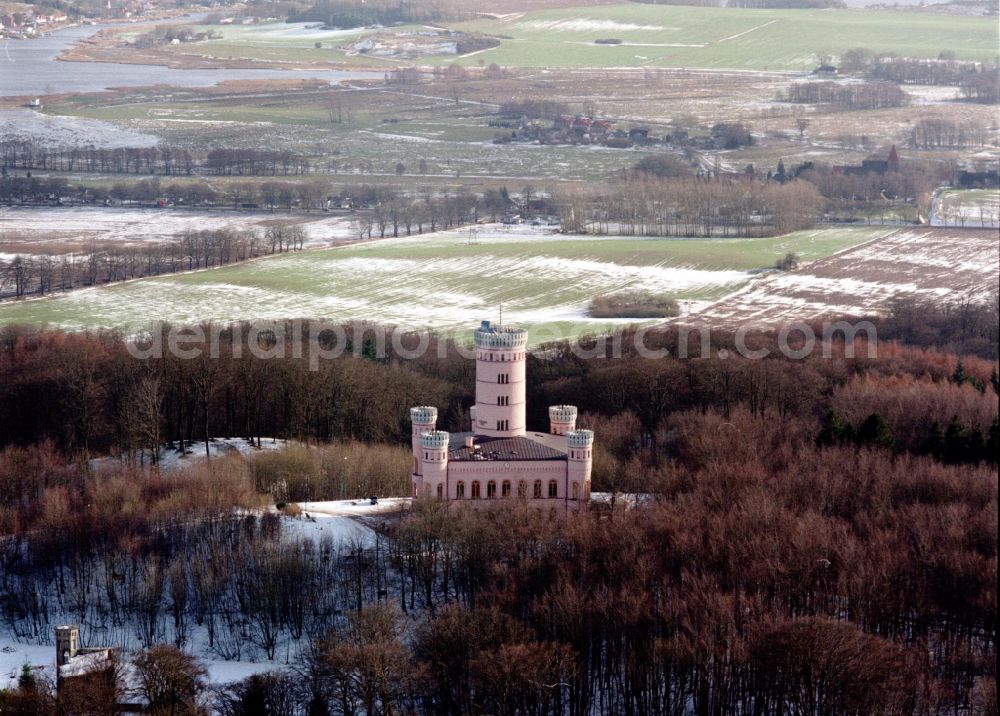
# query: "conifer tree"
[[993, 441], [934, 443], [26, 680], [835, 430], [956, 442], [875, 431]]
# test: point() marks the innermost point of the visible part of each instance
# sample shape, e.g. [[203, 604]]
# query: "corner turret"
[[434, 463], [562, 419]]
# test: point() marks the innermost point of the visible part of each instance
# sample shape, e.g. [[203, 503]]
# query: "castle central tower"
[[500, 381]]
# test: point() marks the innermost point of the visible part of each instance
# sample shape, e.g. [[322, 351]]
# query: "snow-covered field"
[[70, 229], [975, 208], [64, 131], [346, 521], [440, 280], [584, 24], [925, 263]]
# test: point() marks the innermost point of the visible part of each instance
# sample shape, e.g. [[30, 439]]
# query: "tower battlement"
[[500, 336], [580, 438], [562, 413], [424, 415], [435, 440], [562, 419]]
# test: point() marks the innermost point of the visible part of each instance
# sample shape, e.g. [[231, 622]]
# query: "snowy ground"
[[73, 229], [63, 131], [543, 278], [928, 263], [340, 521], [347, 522], [13, 656], [976, 208], [171, 457]]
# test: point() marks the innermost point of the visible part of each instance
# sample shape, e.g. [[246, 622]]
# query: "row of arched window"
[[475, 489], [505, 489]]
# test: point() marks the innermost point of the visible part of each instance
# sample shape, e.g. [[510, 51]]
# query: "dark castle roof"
[[506, 449]]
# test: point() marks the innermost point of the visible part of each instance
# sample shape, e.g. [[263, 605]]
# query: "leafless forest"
[[813, 536]]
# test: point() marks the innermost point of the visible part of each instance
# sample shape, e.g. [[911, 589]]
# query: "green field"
[[651, 35], [440, 280], [449, 141], [681, 36]]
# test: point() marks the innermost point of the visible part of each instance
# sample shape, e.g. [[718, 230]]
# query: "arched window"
[[553, 488], [416, 465], [576, 490], [460, 489], [414, 489], [491, 489], [538, 488], [505, 489], [522, 489], [475, 490], [586, 490], [441, 489]]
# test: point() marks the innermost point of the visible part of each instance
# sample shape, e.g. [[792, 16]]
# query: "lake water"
[[30, 67]]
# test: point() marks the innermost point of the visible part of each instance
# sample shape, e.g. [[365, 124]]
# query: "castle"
[[499, 458]]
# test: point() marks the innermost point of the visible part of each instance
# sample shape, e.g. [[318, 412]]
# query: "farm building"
[[499, 458], [872, 166], [85, 664], [988, 179]]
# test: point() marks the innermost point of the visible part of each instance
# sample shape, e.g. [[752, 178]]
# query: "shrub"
[[663, 166], [789, 262], [341, 471], [633, 304]]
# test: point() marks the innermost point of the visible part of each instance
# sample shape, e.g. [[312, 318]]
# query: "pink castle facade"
[[500, 459]]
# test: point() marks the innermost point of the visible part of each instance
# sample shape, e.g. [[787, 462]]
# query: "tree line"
[[977, 81], [106, 400], [649, 205], [852, 96], [360, 13], [100, 263], [27, 154], [940, 132], [270, 195]]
